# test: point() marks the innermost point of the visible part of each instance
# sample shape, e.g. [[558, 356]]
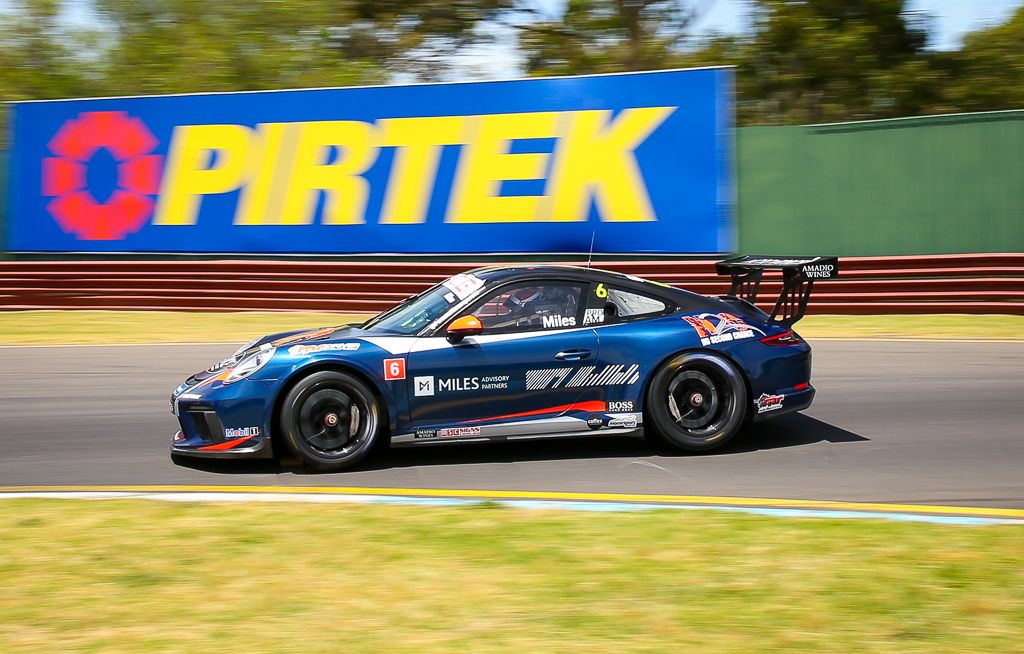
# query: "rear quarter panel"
[[653, 342]]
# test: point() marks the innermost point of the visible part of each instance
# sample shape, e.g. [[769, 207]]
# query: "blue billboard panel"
[[641, 162]]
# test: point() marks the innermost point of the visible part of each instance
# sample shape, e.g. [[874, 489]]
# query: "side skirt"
[[409, 440]]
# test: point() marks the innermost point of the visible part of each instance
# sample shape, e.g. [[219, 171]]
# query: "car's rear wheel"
[[330, 420], [696, 402]]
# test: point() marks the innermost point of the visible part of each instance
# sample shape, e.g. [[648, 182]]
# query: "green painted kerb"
[[930, 185]]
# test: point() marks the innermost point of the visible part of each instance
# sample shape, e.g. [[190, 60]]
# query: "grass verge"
[[131, 576], [97, 327], [983, 326]]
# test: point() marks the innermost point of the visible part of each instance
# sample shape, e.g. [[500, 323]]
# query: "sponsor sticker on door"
[[423, 386]]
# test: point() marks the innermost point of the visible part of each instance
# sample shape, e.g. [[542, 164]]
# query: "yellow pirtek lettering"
[[283, 168], [311, 173], [595, 159], [418, 142], [486, 162], [204, 160], [273, 151]]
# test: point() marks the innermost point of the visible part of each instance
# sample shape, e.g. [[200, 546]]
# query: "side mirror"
[[463, 327]]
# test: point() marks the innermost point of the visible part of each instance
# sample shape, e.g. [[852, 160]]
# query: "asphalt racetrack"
[[904, 422]]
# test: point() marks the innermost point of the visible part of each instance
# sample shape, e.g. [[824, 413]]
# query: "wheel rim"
[[696, 401], [334, 422]]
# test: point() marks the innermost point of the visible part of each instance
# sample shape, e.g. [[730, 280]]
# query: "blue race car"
[[509, 353]]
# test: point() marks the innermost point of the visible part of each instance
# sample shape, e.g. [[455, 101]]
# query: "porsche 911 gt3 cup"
[[508, 353]]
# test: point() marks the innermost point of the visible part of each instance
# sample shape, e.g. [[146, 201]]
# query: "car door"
[[513, 378], [629, 342]]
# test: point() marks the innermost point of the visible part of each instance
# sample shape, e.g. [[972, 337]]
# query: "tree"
[[593, 36], [803, 61], [40, 57], [174, 46], [988, 72], [195, 45], [826, 60]]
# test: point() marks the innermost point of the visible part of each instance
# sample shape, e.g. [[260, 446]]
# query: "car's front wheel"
[[696, 402], [330, 420]]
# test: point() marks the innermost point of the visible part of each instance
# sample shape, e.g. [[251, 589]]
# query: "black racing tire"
[[330, 420], [696, 402]]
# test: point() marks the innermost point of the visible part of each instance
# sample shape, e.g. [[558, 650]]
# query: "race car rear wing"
[[798, 277]]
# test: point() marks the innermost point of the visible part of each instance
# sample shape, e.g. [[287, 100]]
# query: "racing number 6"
[[394, 369], [601, 291]]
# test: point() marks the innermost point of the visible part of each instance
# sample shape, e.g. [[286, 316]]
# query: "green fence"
[[908, 186]]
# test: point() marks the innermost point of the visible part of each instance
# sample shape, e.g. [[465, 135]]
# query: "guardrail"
[[957, 283]]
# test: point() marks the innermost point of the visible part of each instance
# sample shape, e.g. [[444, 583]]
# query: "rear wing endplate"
[[798, 277]]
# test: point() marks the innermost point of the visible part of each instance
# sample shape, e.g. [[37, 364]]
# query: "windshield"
[[417, 312]]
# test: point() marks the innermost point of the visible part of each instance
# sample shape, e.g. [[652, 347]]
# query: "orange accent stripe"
[[593, 406], [226, 445], [221, 376]]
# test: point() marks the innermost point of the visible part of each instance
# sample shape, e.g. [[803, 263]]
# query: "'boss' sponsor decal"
[[624, 406]]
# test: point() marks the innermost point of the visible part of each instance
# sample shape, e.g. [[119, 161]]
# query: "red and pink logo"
[[65, 176]]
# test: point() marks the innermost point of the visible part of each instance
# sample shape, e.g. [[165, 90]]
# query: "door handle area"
[[573, 355]]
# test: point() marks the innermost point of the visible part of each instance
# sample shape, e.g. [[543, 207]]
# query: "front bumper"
[[262, 449], [225, 421]]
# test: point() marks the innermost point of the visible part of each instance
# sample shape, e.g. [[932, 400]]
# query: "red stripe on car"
[[594, 406], [226, 445]]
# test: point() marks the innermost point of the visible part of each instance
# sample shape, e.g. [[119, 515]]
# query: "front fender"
[[368, 366]]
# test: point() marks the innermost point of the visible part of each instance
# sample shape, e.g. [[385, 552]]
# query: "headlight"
[[247, 346], [250, 364]]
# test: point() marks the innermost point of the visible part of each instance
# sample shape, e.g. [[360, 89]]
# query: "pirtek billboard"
[[643, 160]]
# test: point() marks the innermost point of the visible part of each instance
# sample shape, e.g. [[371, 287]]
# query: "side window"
[[611, 305], [529, 307]]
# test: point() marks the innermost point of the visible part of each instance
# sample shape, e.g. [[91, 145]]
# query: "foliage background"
[[802, 61]]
